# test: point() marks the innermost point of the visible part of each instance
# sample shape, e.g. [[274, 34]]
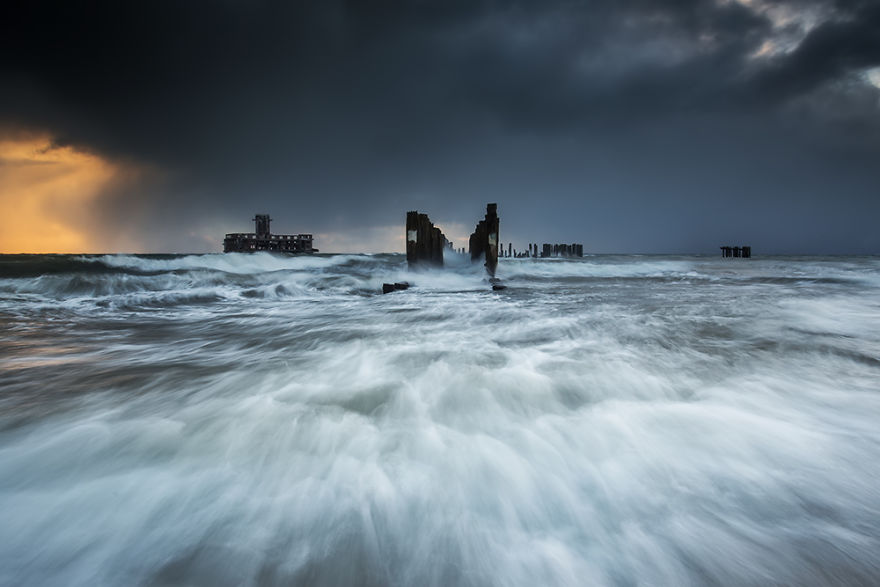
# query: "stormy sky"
[[630, 126]]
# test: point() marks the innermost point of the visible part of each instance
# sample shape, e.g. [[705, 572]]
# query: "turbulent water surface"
[[261, 420]]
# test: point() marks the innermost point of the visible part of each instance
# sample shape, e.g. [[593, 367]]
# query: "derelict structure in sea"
[[263, 240], [425, 243], [739, 252]]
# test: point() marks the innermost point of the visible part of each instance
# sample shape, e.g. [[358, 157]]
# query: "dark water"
[[260, 420]]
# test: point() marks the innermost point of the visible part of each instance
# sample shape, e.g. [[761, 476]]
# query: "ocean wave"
[[232, 263], [168, 421]]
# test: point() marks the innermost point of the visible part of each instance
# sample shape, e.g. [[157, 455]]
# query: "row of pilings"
[[547, 251], [736, 252]]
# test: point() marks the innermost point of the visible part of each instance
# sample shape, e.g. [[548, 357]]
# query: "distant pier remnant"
[[484, 240], [562, 250], [424, 241], [263, 240], [737, 252]]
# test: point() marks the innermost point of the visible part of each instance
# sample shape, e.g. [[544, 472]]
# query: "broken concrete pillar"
[[424, 242], [484, 240]]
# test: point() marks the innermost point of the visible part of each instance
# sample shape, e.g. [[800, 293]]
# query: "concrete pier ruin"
[[484, 240], [546, 250], [426, 244], [424, 241], [744, 252], [562, 250]]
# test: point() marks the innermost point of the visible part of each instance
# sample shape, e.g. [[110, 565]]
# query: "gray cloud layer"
[[629, 126]]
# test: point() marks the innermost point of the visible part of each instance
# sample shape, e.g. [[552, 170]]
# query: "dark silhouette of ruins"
[[547, 251], [263, 240], [738, 252], [484, 240], [425, 243]]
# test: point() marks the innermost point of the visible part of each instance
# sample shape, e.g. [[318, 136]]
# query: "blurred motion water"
[[265, 420]]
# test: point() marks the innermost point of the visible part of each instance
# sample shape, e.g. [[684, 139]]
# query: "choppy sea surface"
[[612, 420]]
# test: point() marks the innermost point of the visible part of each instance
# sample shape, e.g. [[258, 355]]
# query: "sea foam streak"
[[253, 419]]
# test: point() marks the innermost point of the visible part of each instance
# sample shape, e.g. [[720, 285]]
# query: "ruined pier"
[[426, 244], [737, 252], [483, 242], [424, 241], [562, 250], [547, 250]]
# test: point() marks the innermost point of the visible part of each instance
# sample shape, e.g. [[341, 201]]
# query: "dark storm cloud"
[[829, 52], [635, 117]]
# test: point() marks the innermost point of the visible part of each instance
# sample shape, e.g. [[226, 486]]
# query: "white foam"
[[227, 262], [714, 431]]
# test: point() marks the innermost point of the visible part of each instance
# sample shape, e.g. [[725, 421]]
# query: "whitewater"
[[268, 420]]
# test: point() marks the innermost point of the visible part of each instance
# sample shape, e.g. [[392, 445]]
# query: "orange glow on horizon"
[[46, 194]]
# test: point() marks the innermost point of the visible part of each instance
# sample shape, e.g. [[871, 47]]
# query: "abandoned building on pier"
[[263, 240]]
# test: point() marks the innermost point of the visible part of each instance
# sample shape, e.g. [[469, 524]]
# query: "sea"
[[233, 419]]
